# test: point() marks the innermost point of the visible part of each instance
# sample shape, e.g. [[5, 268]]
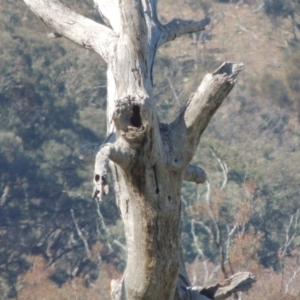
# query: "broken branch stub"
[[239, 282], [115, 153], [189, 125], [101, 172], [195, 174]]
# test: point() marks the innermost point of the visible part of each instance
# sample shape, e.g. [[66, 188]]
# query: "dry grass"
[[36, 285], [238, 34]]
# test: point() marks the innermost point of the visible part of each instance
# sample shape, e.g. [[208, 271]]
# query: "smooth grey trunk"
[[149, 160]]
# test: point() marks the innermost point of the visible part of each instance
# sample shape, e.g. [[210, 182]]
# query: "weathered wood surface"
[[150, 160]]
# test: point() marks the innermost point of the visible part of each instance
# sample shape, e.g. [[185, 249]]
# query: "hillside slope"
[[52, 99]]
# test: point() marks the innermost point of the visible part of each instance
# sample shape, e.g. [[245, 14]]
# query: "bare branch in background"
[[224, 169], [292, 279], [200, 252], [288, 238], [79, 232]]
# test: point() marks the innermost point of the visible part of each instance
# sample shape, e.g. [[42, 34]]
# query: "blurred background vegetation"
[[59, 243]]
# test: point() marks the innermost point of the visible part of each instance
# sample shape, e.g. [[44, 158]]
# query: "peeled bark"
[[150, 159]]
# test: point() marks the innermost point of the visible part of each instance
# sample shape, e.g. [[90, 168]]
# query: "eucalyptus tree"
[[148, 159]]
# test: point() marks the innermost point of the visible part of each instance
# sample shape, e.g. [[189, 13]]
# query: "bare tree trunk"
[[149, 160]]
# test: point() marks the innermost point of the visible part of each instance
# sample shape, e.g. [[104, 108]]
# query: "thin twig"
[[86, 246], [200, 252]]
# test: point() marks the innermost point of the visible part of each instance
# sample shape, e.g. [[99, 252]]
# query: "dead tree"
[[149, 160]]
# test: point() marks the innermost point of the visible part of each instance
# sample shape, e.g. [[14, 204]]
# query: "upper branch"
[[178, 27], [75, 27], [109, 11], [150, 9], [133, 22], [194, 117]]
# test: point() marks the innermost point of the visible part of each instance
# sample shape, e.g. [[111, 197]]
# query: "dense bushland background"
[[59, 243]]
